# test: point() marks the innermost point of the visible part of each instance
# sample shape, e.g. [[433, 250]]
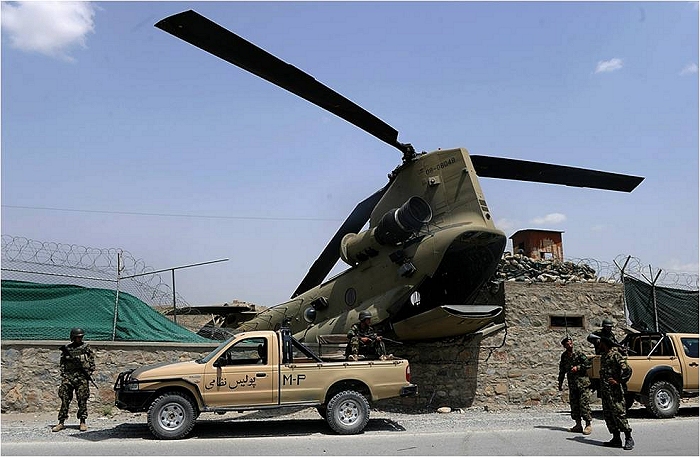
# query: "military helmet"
[[365, 315], [608, 322], [75, 332], [565, 339]]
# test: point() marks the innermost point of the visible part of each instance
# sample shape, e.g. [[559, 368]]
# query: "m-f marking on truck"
[[292, 380]]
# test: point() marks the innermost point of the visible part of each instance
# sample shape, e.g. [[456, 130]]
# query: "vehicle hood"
[[160, 370]]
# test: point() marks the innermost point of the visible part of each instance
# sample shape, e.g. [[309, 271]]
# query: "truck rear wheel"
[[663, 400], [171, 416], [348, 412]]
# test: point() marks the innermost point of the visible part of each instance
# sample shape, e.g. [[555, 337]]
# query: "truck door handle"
[[693, 364], [260, 375]]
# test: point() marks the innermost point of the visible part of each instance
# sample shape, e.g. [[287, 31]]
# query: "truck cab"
[[260, 370]]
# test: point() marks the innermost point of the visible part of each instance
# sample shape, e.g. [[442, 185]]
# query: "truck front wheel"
[[171, 416], [663, 400], [348, 412]]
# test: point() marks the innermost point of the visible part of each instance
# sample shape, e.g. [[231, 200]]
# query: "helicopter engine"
[[395, 227]]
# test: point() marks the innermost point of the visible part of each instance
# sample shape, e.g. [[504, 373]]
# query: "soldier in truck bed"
[[363, 340]]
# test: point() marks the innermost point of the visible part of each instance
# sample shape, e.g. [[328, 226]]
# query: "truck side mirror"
[[220, 362]]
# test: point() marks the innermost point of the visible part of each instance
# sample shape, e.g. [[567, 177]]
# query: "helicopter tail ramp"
[[32, 311]]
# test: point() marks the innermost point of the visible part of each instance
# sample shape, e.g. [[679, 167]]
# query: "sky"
[[116, 134]]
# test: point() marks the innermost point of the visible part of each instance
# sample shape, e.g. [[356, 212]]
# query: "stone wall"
[[517, 365]]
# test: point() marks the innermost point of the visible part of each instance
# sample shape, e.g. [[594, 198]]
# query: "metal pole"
[[116, 301], [625, 311], [174, 306], [653, 294]]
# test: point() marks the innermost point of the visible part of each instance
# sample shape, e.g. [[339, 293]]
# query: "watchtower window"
[[565, 321]]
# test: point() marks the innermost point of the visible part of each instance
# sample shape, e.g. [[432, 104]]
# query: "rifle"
[[390, 340], [67, 355]]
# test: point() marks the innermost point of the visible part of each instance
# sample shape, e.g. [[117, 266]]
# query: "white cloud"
[[50, 28], [675, 265], [606, 66], [508, 226], [549, 219], [689, 69]]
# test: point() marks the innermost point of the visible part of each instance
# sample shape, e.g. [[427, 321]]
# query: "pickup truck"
[[664, 369], [260, 370]]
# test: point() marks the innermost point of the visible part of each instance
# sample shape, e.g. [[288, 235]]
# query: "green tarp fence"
[[675, 310], [32, 311]]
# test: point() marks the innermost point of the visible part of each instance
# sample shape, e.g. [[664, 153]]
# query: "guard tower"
[[538, 244]]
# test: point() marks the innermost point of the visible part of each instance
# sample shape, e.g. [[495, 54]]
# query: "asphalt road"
[[514, 431]]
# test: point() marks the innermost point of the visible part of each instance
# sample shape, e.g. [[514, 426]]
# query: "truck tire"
[[663, 400], [171, 416], [321, 411], [348, 412]]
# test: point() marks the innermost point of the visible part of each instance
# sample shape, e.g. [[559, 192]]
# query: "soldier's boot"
[[83, 425], [58, 427], [614, 442], [576, 428], [629, 442], [588, 428]]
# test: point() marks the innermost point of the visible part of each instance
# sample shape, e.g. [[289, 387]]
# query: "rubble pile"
[[518, 267]]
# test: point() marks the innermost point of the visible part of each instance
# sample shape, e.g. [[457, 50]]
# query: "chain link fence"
[[118, 271], [59, 280]]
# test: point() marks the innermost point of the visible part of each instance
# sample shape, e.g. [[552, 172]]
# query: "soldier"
[[614, 373], [574, 365], [364, 340], [607, 332], [77, 365]]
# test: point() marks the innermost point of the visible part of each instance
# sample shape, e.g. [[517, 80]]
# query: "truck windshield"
[[211, 355]]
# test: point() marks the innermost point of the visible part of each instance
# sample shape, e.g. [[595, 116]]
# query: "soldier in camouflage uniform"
[[574, 365], [614, 373], [77, 365], [364, 340], [606, 331]]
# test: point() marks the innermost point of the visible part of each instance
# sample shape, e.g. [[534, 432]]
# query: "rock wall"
[[517, 365]]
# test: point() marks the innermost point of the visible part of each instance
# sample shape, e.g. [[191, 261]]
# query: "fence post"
[[174, 303], [625, 311], [116, 301]]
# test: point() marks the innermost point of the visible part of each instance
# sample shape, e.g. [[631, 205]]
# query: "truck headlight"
[[131, 386]]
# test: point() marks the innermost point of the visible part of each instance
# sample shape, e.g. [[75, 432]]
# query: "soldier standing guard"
[[77, 365], [574, 365], [364, 340], [606, 331], [614, 373]]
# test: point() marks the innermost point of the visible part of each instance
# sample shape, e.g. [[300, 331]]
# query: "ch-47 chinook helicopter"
[[431, 244]]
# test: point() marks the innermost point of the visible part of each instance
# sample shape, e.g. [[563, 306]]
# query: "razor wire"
[[517, 267], [43, 262]]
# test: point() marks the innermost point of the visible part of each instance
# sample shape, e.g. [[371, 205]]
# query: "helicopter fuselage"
[[444, 261]]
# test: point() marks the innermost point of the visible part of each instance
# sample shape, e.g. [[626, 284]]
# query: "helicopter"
[[431, 246]]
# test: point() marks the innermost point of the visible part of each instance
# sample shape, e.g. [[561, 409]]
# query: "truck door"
[[689, 346], [242, 376]]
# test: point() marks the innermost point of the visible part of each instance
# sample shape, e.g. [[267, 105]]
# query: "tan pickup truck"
[[664, 369], [260, 370]]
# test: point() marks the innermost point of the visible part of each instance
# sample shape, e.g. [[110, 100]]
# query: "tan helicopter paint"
[[447, 181]]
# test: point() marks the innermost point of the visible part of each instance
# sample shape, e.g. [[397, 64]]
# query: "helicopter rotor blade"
[[523, 170], [205, 34], [330, 255]]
